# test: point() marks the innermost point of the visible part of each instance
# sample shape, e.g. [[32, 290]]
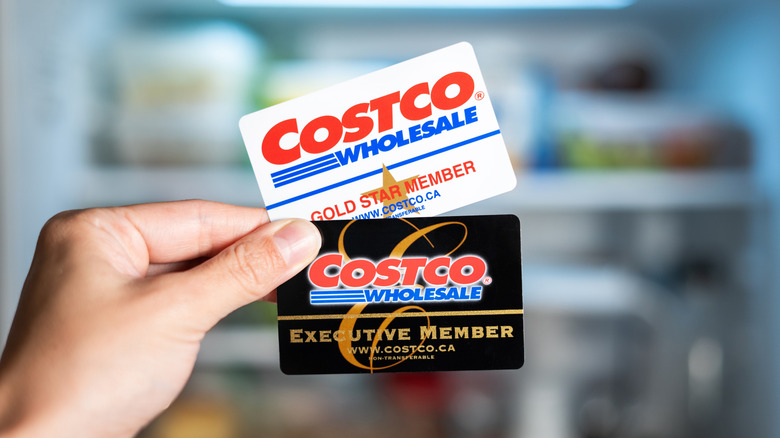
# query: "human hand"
[[117, 301]]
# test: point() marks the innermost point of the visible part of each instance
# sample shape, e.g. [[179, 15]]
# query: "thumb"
[[250, 269]]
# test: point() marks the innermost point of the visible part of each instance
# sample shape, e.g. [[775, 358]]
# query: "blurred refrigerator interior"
[[646, 140]]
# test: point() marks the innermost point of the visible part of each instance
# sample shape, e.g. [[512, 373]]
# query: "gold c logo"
[[350, 319]]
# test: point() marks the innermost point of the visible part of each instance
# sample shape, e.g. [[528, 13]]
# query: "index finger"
[[184, 230]]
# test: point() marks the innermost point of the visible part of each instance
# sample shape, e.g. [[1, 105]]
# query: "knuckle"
[[61, 226], [74, 225]]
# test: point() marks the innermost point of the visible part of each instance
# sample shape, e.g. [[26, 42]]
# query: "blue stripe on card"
[[330, 165], [315, 161]]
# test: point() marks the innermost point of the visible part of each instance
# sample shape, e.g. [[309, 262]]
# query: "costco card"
[[409, 294], [415, 139]]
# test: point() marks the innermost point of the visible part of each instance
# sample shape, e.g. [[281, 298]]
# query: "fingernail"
[[297, 242]]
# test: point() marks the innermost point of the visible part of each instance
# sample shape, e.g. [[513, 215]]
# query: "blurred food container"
[[619, 130], [197, 418], [181, 91]]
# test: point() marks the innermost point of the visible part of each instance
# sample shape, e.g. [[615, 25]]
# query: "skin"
[[117, 301]]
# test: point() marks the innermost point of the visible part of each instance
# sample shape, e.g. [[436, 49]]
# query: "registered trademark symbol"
[[487, 280], [480, 95]]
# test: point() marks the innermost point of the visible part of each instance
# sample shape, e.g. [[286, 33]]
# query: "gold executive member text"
[[298, 336]]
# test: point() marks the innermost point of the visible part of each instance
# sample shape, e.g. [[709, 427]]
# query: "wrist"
[[11, 417], [20, 417]]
